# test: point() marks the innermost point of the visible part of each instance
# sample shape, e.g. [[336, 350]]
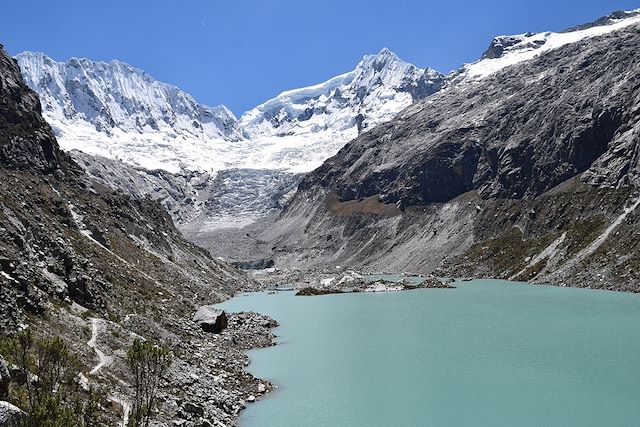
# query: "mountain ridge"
[[526, 175]]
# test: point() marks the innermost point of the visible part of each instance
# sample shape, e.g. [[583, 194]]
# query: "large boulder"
[[211, 319], [10, 415]]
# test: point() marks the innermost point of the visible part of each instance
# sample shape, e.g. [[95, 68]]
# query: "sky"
[[241, 53]]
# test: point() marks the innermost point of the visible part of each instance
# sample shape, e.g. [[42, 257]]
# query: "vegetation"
[[47, 388], [148, 363]]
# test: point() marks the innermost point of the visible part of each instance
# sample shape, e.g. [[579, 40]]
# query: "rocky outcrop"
[[26, 141], [514, 135]]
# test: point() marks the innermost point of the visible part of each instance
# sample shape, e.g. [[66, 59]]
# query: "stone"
[[211, 319], [10, 415], [194, 409]]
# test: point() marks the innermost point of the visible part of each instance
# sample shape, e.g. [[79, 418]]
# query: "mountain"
[[154, 140], [119, 111], [301, 128], [528, 172], [98, 268]]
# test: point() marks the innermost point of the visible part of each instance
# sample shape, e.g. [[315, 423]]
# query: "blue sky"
[[243, 52]]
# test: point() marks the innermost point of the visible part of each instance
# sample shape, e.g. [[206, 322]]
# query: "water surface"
[[489, 353]]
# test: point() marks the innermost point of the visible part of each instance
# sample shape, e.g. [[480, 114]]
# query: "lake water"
[[489, 353]]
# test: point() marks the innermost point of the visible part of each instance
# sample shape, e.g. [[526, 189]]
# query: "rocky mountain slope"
[[527, 173], [75, 256], [120, 113]]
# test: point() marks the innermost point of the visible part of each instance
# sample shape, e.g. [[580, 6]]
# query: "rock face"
[[517, 134], [198, 201], [25, 139], [517, 159], [211, 319]]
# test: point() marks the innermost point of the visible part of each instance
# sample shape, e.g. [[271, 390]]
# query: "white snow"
[[532, 45], [120, 112]]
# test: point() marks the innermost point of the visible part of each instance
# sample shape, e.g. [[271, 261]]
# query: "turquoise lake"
[[488, 353]]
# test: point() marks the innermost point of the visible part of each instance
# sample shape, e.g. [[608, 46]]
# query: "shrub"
[[47, 389], [147, 363]]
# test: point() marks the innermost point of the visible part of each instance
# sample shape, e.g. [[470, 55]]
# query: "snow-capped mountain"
[[119, 111], [505, 51], [301, 128]]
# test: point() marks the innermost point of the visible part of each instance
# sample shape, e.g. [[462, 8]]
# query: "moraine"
[[487, 353]]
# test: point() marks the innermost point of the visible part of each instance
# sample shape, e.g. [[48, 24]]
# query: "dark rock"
[[193, 409], [538, 132], [312, 291], [211, 319]]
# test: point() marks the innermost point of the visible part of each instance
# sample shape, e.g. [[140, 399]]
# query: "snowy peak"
[[115, 95], [386, 69], [505, 51], [299, 129], [378, 88]]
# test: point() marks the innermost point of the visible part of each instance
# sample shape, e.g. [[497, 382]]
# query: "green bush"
[[148, 363], [47, 389]]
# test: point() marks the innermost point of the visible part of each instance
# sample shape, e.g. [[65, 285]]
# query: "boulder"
[[194, 409], [10, 415], [211, 319]]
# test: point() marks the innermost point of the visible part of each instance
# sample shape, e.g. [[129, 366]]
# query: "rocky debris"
[[433, 282], [211, 319], [197, 200], [10, 415], [208, 382], [193, 409]]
